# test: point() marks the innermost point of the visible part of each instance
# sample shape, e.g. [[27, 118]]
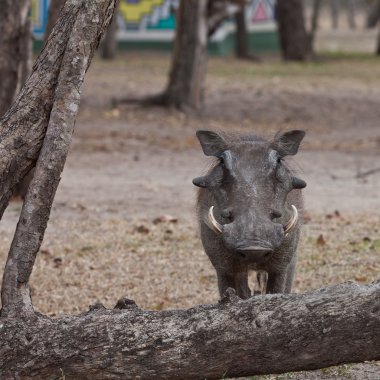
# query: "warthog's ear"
[[201, 181], [298, 183], [212, 143], [288, 143]]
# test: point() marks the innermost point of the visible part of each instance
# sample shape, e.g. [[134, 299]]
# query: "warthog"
[[249, 207]]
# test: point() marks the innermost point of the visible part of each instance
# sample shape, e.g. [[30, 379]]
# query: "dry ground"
[[130, 165]]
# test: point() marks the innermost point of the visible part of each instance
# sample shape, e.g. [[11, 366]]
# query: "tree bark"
[[294, 40], [15, 40], [185, 89], [262, 335], [109, 44], [54, 9]]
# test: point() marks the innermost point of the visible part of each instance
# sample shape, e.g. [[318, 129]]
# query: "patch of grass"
[[362, 67]]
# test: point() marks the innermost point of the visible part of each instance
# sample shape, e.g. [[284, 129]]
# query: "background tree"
[[185, 89], [241, 36], [334, 14], [373, 18], [292, 30], [53, 13], [15, 49], [109, 44], [197, 21]]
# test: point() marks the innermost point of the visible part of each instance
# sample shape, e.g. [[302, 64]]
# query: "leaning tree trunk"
[[185, 89], [54, 9], [55, 6], [15, 40], [294, 40], [52, 96]]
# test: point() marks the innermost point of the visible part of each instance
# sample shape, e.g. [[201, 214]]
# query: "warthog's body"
[[244, 207]]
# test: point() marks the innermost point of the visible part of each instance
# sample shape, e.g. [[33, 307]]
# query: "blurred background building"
[[150, 24]]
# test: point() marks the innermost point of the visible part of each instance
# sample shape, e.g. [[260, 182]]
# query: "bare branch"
[[220, 10]]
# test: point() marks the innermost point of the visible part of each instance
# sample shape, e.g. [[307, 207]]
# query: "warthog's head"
[[249, 187]]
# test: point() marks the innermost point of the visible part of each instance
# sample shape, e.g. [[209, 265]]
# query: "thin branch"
[[367, 173]]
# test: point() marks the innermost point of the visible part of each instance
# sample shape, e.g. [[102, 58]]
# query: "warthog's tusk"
[[292, 221], [214, 225]]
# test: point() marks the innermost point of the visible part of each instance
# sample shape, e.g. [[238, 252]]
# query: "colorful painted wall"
[[151, 24]]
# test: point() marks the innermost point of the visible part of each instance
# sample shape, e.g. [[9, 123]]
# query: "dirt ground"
[[123, 222]]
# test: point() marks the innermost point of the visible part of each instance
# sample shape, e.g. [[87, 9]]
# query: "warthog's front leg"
[[282, 281], [237, 281], [276, 282]]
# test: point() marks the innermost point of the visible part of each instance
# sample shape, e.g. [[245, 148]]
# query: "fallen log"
[[262, 335]]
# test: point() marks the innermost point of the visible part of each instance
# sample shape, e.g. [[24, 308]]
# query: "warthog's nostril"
[[226, 214], [242, 254], [275, 214]]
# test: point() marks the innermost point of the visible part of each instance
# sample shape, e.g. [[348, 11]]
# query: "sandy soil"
[[129, 165]]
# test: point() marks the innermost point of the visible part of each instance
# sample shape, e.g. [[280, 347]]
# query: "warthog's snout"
[[255, 252]]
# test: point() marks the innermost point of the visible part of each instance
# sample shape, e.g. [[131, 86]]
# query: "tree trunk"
[[54, 9], [314, 23], [351, 14], [29, 115], [15, 40], [80, 27], [109, 44], [334, 14], [185, 89], [373, 15], [378, 42], [196, 22], [294, 40], [241, 35], [16, 46], [262, 335]]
